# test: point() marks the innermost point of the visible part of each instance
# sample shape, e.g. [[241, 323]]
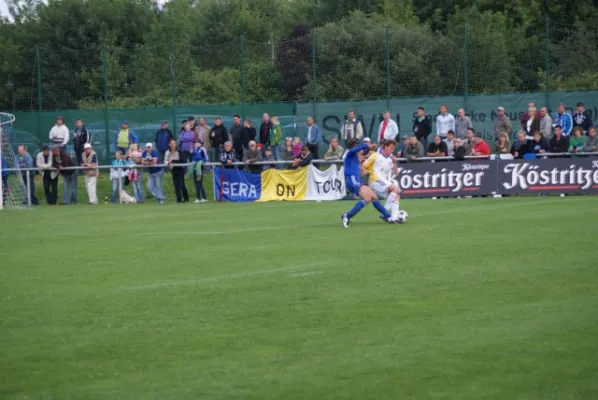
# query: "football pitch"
[[471, 299]]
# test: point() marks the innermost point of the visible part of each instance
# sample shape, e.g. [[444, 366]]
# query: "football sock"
[[381, 208], [356, 208], [394, 206]]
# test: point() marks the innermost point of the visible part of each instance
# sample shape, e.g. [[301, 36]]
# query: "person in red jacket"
[[480, 148]]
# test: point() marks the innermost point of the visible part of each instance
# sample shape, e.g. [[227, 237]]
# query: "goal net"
[[13, 193]]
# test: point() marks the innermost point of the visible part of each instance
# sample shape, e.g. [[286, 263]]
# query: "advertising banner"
[[447, 179], [551, 175], [326, 185], [236, 185], [279, 185]]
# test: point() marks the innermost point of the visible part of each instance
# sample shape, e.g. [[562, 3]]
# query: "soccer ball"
[[402, 218]]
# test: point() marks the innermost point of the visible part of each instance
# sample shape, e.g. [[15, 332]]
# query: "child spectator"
[[135, 174], [116, 174], [200, 156], [275, 138], [296, 149], [577, 140], [268, 156]]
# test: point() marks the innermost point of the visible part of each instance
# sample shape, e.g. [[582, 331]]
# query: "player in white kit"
[[382, 166]]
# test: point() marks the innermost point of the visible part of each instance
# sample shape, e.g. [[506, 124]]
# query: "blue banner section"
[[236, 185]]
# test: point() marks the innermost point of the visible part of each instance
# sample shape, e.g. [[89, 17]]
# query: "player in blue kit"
[[353, 182]]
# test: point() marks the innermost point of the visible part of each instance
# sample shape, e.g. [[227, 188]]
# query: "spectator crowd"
[[264, 147]]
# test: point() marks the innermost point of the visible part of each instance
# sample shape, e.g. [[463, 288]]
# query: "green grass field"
[[471, 299]]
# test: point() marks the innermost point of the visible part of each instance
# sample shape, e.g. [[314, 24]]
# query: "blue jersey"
[[353, 168]]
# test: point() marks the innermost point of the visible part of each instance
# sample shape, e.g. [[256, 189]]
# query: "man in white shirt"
[[59, 134], [444, 122], [388, 129]]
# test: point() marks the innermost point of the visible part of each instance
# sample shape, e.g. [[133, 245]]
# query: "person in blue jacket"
[[200, 157], [163, 138], [354, 185], [563, 119]]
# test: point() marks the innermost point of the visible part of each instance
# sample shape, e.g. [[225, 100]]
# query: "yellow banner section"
[[278, 185]]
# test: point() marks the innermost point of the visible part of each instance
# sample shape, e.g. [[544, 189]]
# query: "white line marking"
[[306, 273], [225, 277]]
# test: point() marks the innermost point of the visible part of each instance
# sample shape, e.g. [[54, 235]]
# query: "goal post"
[[13, 192]]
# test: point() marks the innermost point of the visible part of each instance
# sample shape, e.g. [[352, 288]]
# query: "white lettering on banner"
[[239, 189], [524, 175], [456, 181]]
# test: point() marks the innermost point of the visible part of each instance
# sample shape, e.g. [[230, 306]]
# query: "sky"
[[3, 8]]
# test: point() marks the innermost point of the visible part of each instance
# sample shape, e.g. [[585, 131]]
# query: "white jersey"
[[379, 167]]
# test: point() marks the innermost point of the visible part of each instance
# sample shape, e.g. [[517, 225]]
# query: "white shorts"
[[380, 188]]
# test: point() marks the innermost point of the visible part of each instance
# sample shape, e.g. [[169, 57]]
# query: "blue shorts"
[[353, 183]]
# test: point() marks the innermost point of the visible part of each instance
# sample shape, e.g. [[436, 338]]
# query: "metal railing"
[[28, 171]]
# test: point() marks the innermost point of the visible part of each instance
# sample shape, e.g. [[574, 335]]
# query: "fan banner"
[[236, 185], [326, 185], [279, 185]]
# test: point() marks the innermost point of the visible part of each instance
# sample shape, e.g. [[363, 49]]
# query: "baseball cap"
[[149, 145], [87, 146], [500, 108], [125, 122], [367, 139], [405, 137], [580, 104]]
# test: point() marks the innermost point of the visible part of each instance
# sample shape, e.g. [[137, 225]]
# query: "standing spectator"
[[202, 132], [183, 123], [462, 123], [591, 143], [539, 144], [136, 174], [533, 122], [459, 151], [25, 160], [163, 138], [287, 151], [450, 143], [59, 134], [248, 134], [304, 158], [480, 148], [422, 127], [5, 173], [228, 156], [313, 136], [502, 123], [61, 161], [502, 145], [276, 138], [173, 159], [191, 120], [388, 129], [124, 138], [335, 151], [80, 139], [582, 118], [525, 116], [218, 136], [563, 119], [186, 142], [577, 140], [252, 156], [265, 128], [352, 128], [49, 175], [155, 175], [437, 148], [520, 146], [236, 133], [415, 149], [200, 157], [90, 162], [545, 122], [117, 174], [444, 122], [558, 143]]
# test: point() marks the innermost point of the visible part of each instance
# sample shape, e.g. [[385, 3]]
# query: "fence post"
[[105, 76], [314, 97], [173, 86], [547, 57], [39, 90], [387, 69], [242, 49], [465, 69]]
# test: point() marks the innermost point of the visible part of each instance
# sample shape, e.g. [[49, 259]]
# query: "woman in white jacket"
[[59, 134]]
